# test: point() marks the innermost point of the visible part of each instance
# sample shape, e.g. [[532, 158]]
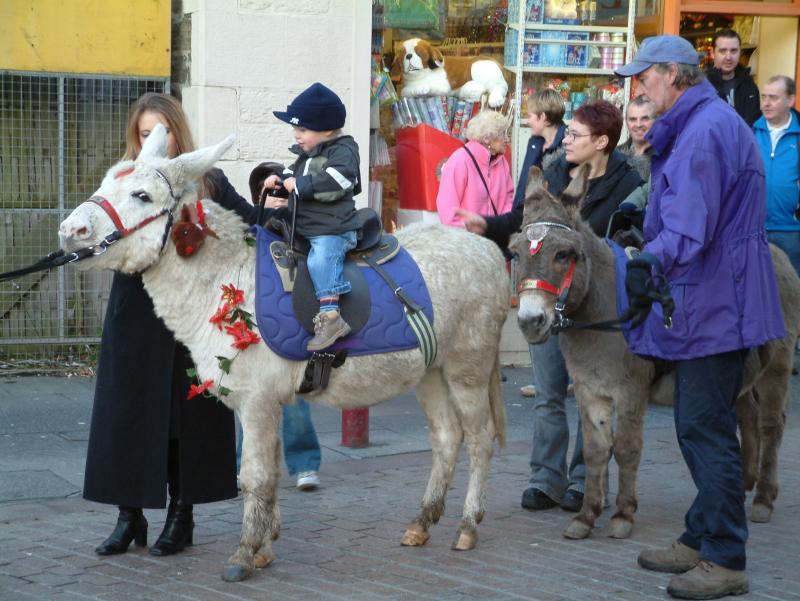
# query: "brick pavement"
[[342, 542]]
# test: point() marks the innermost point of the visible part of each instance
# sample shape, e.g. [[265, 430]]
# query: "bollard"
[[355, 428]]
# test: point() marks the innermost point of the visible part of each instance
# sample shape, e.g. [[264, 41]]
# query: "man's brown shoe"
[[677, 559], [328, 328], [708, 580]]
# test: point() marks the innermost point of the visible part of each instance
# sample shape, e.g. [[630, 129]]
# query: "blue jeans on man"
[[705, 421], [326, 263], [301, 449]]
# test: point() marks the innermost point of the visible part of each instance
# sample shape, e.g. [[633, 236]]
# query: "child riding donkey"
[[322, 182]]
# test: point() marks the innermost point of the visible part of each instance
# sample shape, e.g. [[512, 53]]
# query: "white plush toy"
[[425, 71]]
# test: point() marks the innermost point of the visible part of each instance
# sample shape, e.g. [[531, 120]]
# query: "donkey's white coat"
[[460, 393]]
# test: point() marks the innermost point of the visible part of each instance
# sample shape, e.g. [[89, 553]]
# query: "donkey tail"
[[497, 405]]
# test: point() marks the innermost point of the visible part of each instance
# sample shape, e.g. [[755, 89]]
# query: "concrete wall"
[[250, 57]]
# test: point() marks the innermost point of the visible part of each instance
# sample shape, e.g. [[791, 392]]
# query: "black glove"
[[638, 285]]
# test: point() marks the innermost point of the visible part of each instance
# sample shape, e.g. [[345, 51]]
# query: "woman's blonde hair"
[[486, 126], [549, 103], [172, 111]]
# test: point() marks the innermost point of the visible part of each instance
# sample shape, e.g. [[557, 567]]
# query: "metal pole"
[[62, 300]]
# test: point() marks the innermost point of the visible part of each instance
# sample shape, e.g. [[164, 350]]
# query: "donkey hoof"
[[236, 573], [620, 528], [760, 513], [262, 560], [577, 530], [465, 541], [415, 536]]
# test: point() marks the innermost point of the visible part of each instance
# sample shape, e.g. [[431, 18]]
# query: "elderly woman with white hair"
[[477, 177]]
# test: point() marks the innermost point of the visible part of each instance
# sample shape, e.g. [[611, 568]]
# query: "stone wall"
[[246, 58]]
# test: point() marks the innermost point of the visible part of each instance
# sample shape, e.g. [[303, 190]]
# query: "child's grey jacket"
[[327, 179]]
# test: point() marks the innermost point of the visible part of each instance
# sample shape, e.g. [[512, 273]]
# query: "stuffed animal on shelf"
[[424, 70], [190, 232]]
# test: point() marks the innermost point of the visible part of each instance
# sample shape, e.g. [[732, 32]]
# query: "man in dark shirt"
[[732, 81]]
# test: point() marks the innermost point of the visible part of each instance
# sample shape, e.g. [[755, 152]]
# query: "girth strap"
[[417, 320]]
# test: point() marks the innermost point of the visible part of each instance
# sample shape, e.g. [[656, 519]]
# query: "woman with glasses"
[[590, 139], [477, 177]]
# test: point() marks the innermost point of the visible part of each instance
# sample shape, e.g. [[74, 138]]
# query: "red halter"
[[534, 284], [109, 209]]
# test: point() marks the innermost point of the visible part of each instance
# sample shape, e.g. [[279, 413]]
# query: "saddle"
[[373, 248]]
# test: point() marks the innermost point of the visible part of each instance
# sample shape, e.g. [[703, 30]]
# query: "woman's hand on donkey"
[[472, 221]]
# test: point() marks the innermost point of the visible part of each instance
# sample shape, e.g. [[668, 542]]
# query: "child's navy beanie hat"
[[317, 108]]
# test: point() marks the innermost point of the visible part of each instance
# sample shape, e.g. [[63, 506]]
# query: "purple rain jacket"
[[705, 224]]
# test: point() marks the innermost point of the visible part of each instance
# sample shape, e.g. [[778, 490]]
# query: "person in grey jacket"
[[322, 182]]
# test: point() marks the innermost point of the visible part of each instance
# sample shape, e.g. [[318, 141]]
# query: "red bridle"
[[560, 292], [109, 210], [123, 231]]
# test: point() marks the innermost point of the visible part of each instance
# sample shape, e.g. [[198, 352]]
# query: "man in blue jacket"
[[778, 137], [705, 235]]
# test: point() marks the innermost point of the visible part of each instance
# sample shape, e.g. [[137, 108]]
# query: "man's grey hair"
[[788, 83], [688, 75]]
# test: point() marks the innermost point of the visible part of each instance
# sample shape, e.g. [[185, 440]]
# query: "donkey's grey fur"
[[608, 378], [460, 393]]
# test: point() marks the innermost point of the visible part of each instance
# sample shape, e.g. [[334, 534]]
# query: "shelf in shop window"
[[563, 70], [589, 28]]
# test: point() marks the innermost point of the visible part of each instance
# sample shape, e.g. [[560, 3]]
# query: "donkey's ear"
[[535, 181], [572, 197], [192, 165], [155, 145], [535, 190]]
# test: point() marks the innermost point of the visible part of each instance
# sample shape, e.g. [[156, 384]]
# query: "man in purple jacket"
[[705, 235]]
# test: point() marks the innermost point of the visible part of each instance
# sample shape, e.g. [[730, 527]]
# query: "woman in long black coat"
[[146, 438]]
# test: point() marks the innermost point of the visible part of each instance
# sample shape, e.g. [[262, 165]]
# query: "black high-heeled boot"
[[131, 526], [177, 533]]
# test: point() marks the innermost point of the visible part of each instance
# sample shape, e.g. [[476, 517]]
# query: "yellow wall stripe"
[[120, 37]]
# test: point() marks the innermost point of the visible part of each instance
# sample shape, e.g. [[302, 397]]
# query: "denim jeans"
[[326, 263], [550, 428], [301, 449], [788, 242]]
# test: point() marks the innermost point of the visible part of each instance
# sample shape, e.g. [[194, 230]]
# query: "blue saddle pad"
[[621, 269], [386, 329]]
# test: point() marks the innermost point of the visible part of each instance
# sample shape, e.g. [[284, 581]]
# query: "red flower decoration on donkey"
[[241, 322], [232, 295], [221, 316], [198, 389], [242, 336]]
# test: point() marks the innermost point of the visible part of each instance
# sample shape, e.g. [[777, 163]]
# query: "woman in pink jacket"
[[477, 177]]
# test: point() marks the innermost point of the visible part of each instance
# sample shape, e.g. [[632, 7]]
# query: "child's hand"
[[273, 182], [275, 202], [289, 184]]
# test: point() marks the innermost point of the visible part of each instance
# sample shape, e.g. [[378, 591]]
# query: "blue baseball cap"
[[317, 108], [660, 49]]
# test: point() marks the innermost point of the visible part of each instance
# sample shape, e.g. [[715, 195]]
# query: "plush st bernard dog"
[[425, 71]]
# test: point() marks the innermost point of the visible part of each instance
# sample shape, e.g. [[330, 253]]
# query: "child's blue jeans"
[[326, 263]]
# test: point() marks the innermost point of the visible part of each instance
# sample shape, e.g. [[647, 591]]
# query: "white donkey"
[[459, 393]]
